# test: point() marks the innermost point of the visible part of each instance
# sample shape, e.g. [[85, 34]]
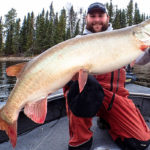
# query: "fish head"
[[142, 33]]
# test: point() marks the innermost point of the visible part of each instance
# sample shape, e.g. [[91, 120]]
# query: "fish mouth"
[[143, 34], [146, 38]]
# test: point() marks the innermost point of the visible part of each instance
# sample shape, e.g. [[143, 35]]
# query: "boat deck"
[[54, 136]]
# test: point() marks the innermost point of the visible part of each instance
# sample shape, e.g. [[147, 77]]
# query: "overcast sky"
[[24, 6]]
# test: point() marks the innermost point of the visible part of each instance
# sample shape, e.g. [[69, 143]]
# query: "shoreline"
[[13, 58]]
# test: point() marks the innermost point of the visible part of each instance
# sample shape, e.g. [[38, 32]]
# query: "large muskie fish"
[[97, 53]]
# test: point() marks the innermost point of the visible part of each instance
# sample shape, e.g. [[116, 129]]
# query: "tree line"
[[38, 33]]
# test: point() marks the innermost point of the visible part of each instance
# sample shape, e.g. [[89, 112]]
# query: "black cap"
[[97, 6]]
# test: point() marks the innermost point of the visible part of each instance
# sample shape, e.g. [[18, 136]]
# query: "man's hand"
[[144, 58]]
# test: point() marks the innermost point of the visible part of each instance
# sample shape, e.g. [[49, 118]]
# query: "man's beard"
[[104, 26]]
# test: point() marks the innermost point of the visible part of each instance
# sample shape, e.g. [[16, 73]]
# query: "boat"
[[54, 133], [130, 76]]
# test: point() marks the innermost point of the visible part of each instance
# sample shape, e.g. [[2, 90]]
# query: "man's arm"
[[144, 58]]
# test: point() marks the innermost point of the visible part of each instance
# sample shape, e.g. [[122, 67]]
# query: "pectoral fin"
[[37, 111], [83, 75]]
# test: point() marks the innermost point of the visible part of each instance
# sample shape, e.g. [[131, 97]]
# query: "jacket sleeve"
[[144, 58], [66, 88]]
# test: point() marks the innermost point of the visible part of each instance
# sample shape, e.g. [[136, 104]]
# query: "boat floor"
[[54, 136]]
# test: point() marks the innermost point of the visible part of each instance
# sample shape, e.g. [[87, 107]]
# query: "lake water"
[[7, 83], [143, 75]]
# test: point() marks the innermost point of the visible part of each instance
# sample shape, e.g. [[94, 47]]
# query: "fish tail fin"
[[10, 129]]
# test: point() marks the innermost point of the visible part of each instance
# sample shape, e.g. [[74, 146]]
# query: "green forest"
[[35, 34]]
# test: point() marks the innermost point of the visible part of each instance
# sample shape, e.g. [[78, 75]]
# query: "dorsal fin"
[[15, 69]]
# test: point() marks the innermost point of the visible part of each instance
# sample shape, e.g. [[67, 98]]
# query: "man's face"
[[97, 21]]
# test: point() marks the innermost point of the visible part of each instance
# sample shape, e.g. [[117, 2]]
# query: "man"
[[106, 96]]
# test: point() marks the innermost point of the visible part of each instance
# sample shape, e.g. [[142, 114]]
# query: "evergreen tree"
[[117, 19], [52, 14], [130, 13], [143, 17], [110, 9], [137, 18], [72, 17], [83, 22], [47, 36], [37, 35], [1, 36], [23, 37], [40, 32], [30, 34], [9, 41], [147, 17], [77, 30], [56, 30], [16, 37], [50, 32], [123, 21], [9, 32], [10, 19], [68, 33], [62, 25]]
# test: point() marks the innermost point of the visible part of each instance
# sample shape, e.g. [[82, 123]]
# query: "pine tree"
[[50, 32], [9, 41], [117, 19], [1, 36], [16, 36], [83, 22], [110, 9], [137, 18], [68, 33], [56, 30], [47, 31], [9, 32], [77, 30], [40, 32], [62, 25], [30, 34], [130, 13], [37, 35], [49, 40], [123, 21], [10, 19], [143, 17], [52, 14], [23, 37], [72, 17]]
